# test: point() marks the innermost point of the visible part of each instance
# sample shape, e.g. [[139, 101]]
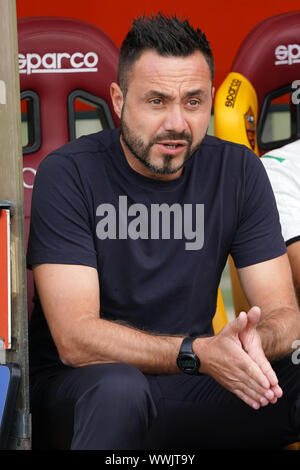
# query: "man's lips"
[[172, 147]]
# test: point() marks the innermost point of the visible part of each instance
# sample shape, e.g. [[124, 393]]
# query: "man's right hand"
[[223, 358]]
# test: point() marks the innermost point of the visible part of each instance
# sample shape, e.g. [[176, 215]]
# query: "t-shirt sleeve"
[[60, 225], [258, 236]]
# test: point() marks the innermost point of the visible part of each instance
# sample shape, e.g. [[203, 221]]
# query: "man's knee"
[[115, 412], [124, 382], [119, 388]]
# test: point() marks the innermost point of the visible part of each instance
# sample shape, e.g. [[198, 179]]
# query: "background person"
[[283, 168]]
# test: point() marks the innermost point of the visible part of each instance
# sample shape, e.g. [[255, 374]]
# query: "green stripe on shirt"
[[275, 158]]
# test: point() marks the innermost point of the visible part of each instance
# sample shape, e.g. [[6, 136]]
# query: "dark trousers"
[[116, 407]]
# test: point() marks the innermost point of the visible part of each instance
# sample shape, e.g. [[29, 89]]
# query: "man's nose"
[[175, 120]]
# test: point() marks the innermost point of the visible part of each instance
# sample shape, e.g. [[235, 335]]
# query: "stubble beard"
[[141, 151]]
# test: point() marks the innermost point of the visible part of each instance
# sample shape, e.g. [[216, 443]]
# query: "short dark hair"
[[168, 36]]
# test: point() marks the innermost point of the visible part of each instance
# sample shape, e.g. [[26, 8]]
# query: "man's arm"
[[266, 332], [269, 285], [293, 251], [69, 296]]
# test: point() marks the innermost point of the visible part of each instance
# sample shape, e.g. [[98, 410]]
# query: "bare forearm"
[[100, 341], [70, 296], [278, 329]]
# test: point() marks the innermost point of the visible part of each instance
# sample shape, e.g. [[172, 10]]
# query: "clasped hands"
[[235, 358]]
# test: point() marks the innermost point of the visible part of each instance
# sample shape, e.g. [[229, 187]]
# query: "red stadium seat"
[[66, 67]]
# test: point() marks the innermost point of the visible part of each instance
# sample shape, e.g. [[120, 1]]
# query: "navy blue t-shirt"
[[159, 246]]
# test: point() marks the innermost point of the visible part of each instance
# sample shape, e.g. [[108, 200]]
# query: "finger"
[[254, 315], [256, 376], [261, 384], [262, 392], [269, 372], [259, 395], [277, 390], [242, 321], [246, 399], [277, 393], [273, 394], [258, 392], [250, 388], [259, 357], [264, 401], [239, 323]]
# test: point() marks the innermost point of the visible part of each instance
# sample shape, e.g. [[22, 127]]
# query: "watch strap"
[[187, 344]]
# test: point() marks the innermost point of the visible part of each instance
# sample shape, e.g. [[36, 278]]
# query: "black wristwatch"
[[187, 361]]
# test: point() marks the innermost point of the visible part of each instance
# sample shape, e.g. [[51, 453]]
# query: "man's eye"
[[194, 103], [156, 101]]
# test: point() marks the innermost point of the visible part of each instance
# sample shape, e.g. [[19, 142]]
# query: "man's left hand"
[[251, 343]]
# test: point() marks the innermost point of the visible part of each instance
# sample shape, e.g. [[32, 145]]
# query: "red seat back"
[[60, 60], [269, 57]]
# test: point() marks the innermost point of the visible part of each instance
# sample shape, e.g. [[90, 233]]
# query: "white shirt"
[[283, 168]]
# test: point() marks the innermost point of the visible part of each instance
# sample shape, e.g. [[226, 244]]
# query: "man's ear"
[[117, 98]]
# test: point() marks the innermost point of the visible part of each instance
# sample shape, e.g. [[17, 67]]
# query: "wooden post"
[[11, 189]]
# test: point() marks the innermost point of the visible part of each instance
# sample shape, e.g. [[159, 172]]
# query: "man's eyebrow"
[[197, 92], [160, 94]]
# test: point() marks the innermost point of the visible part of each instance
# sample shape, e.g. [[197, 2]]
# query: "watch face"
[[188, 363]]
